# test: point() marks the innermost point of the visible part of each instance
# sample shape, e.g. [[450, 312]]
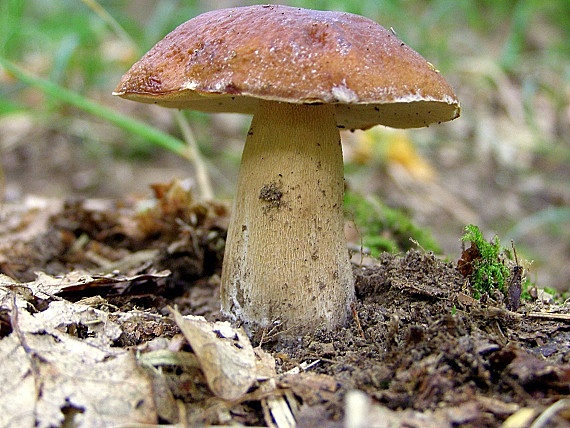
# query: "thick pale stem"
[[286, 258]]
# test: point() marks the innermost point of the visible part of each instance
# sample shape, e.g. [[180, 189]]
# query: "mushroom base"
[[286, 258]]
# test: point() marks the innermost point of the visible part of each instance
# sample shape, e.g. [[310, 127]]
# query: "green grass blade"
[[108, 19], [554, 216], [77, 100]]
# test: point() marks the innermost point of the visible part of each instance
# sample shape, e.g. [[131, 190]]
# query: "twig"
[[270, 333], [202, 176], [357, 320], [549, 316], [303, 367]]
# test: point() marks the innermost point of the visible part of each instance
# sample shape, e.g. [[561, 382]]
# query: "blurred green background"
[[504, 165]]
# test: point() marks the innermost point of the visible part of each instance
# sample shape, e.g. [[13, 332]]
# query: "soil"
[[418, 344]]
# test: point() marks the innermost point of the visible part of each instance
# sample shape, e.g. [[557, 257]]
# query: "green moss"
[[489, 271], [385, 229], [526, 286]]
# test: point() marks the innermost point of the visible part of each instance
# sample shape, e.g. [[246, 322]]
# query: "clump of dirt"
[[417, 340]]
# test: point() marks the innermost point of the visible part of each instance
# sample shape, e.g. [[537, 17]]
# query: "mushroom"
[[302, 74]]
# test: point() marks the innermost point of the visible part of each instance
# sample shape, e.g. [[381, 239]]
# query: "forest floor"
[[91, 333]]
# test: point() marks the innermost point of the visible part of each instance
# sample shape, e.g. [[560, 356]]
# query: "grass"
[[59, 93]]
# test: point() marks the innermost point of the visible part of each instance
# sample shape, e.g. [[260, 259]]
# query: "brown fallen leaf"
[[51, 378], [313, 388], [225, 355], [46, 286]]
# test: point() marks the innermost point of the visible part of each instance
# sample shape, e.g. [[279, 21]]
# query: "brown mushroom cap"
[[228, 59]]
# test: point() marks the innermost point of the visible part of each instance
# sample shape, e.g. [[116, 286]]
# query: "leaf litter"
[[109, 315]]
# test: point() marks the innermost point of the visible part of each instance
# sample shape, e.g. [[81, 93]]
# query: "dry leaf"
[[225, 355], [50, 378], [265, 365], [46, 286], [17, 386], [61, 316], [313, 388]]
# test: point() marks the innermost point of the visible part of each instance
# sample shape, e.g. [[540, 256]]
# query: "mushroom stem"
[[286, 258]]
